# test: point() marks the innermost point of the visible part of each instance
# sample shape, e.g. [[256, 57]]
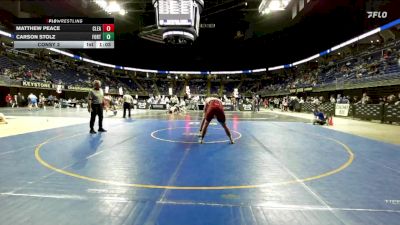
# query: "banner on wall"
[[342, 109], [71, 87], [158, 106], [36, 84], [308, 89], [245, 107], [142, 105]]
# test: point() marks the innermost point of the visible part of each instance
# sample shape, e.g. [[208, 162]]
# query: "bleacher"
[[6, 63], [30, 64], [380, 64]]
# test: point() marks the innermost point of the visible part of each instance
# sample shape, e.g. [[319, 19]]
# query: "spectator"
[[316, 101], [382, 101], [255, 104], [365, 99], [42, 101], [266, 103], [285, 104], [391, 100], [107, 102], [276, 103], [174, 100], [50, 100], [398, 100], [9, 100], [346, 100], [332, 99]]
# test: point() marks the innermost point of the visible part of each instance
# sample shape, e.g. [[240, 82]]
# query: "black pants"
[[320, 122], [97, 110], [127, 106]]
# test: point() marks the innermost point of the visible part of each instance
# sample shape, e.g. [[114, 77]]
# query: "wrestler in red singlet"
[[213, 108]]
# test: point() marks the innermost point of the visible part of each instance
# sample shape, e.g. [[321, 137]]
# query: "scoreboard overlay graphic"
[[64, 33]]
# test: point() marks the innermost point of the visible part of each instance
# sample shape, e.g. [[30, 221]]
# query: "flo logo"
[[377, 14]]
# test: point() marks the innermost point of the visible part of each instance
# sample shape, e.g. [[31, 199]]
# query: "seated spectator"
[[365, 99], [346, 100], [332, 99], [316, 101], [382, 101], [398, 100], [182, 104], [391, 100]]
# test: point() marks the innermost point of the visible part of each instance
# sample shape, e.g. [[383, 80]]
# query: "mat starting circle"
[[236, 135]]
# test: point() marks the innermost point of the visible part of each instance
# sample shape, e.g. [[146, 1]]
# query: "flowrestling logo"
[[377, 14]]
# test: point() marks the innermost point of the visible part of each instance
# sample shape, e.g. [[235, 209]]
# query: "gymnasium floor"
[[151, 170]]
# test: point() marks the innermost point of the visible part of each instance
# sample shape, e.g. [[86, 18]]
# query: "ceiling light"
[[110, 7], [102, 3], [266, 6], [266, 11], [113, 7], [275, 5]]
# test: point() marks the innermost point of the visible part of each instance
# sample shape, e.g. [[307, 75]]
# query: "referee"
[[95, 106], [128, 104]]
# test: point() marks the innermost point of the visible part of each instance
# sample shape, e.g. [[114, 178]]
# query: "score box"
[[108, 36], [108, 27]]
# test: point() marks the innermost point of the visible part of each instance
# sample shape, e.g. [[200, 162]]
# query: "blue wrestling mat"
[[154, 172]]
